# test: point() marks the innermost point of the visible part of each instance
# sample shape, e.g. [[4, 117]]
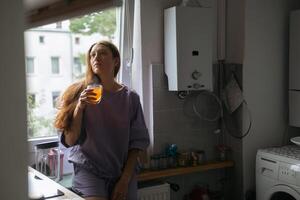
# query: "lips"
[[97, 64]]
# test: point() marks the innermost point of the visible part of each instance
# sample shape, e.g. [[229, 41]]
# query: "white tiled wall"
[[174, 123]]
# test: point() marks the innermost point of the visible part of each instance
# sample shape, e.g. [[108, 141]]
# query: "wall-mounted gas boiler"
[[188, 48]]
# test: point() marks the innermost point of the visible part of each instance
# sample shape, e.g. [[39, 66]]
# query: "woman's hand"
[[120, 191], [87, 96]]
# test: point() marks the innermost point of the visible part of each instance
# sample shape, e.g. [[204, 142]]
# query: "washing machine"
[[278, 173]]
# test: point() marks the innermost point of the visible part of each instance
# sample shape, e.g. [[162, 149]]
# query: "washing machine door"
[[280, 192]]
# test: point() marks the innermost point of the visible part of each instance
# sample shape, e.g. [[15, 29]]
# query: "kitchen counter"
[[40, 186]]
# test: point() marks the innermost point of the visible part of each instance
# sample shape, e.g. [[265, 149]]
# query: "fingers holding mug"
[[91, 95], [94, 93]]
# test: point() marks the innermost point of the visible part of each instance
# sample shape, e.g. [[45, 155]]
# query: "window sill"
[[33, 141]]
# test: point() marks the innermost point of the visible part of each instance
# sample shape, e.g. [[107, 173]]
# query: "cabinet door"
[[294, 108], [294, 72]]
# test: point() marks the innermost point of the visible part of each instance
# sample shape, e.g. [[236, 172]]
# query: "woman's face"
[[102, 61]]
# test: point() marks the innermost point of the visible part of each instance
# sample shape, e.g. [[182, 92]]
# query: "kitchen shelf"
[[151, 174]]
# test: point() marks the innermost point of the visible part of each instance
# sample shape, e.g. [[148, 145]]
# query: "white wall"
[[13, 168], [265, 77]]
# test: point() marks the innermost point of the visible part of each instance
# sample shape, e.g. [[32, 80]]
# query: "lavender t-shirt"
[[110, 129]]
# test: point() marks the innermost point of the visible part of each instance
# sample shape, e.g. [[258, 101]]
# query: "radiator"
[[157, 192]]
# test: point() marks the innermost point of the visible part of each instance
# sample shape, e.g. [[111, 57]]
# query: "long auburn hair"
[[68, 100]]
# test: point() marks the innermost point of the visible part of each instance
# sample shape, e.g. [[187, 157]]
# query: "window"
[[77, 66], [41, 39], [55, 95], [58, 25], [77, 40], [29, 65], [31, 98], [68, 61], [55, 65]]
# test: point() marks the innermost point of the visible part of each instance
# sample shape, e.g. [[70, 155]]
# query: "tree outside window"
[[89, 24], [36, 124]]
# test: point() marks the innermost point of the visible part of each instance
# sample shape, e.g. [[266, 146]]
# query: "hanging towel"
[[232, 94]]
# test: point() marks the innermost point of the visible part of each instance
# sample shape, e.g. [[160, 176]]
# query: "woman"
[[107, 137]]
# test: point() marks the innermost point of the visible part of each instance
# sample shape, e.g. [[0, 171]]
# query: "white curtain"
[[141, 74]]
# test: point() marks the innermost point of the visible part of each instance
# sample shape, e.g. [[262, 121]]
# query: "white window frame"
[[126, 42]]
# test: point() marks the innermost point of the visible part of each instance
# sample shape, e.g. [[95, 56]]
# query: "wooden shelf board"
[[150, 174]]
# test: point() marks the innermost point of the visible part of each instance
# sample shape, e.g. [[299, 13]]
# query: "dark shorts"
[[88, 184]]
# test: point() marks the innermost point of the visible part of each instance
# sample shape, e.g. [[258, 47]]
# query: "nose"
[[97, 57]]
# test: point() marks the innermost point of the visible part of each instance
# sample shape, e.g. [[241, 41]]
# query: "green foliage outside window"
[[103, 22], [36, 123]]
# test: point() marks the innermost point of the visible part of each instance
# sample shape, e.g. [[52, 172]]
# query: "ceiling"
[[36, 4], [39, 12]]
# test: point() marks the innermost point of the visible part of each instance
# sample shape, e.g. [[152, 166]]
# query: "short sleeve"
[[63, 140], [80, 140], [139, 136]]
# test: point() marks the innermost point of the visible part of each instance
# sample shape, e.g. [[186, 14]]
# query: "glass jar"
[[172, 161], [183, 159], [201, 157], [154, 162], [49, 159], [163, 161]]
